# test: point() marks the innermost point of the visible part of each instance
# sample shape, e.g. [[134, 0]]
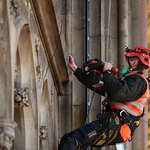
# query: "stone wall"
[[41, 99], [30, 77]]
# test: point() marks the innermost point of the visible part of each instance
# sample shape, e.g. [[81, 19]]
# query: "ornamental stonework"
[[37, 44], [15, 11], [43, 133], [38, 67], [21, 97], [7, 133], [39, 73]]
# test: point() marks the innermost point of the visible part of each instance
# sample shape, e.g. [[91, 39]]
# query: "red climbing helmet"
[[141, 52]]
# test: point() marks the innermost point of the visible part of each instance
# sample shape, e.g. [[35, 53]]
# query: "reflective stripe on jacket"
[[134, 108]]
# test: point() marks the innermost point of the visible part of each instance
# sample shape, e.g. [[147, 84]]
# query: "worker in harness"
[[125, 103]]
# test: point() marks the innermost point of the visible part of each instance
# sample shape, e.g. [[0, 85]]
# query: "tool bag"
[[111, 126], [118, 126]]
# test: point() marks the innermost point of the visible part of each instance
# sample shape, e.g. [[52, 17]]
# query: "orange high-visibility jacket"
[[134, 108]]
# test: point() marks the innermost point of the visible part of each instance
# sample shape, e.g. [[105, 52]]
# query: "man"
[[126, 99]]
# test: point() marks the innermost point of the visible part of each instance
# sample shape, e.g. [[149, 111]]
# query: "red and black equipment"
[[93, 72]]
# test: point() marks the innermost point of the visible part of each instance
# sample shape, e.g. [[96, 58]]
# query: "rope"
[[90, 107], [109, 14], [107, 42]]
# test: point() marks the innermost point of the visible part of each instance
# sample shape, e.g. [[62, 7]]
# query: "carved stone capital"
[[21, 97], [43, 133], [7, 133]]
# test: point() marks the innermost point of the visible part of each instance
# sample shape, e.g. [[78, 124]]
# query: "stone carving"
[[27, 5], [37, 44], [7, 133], [21, 97], [2, 12], [43, 133], [15, 11], [37, 50], [39, 73]]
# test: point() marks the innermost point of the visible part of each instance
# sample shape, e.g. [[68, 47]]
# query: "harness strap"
[[112, 122], [127, 118], [124, 118]]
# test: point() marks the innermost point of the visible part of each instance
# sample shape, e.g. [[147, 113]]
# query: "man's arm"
[[72, 64], [129, 89], [78, 73]]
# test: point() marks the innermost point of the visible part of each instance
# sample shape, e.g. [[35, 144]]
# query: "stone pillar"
[[95, 51], [62, 101], [122, 30], [65, 101], [68, 89], [139, 38], [113, 33], [7, 126], [78, 51], [5, 64]]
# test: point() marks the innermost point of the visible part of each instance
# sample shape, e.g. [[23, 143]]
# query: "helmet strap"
[[130, 68], [125, 72]]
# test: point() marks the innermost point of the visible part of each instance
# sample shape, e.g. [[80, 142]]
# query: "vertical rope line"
[[87, 55], [107, 42], [88, 111]]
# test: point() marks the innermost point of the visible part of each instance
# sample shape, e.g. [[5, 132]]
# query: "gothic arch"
[[45, 117], [26, 117]]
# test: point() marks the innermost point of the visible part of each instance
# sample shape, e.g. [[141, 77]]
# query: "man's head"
[[137, 58]]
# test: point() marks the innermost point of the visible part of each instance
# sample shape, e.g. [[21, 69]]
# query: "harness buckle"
[[124, 115], [121, 113]]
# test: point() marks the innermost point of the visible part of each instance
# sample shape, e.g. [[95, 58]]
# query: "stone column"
[[95, 50], [123, 32], [7, 126], [139, 38], [78, 51], [65, 101], [5, 63]]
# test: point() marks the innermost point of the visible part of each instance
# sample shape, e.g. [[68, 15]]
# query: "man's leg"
[[68, 142], [81, 137]]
